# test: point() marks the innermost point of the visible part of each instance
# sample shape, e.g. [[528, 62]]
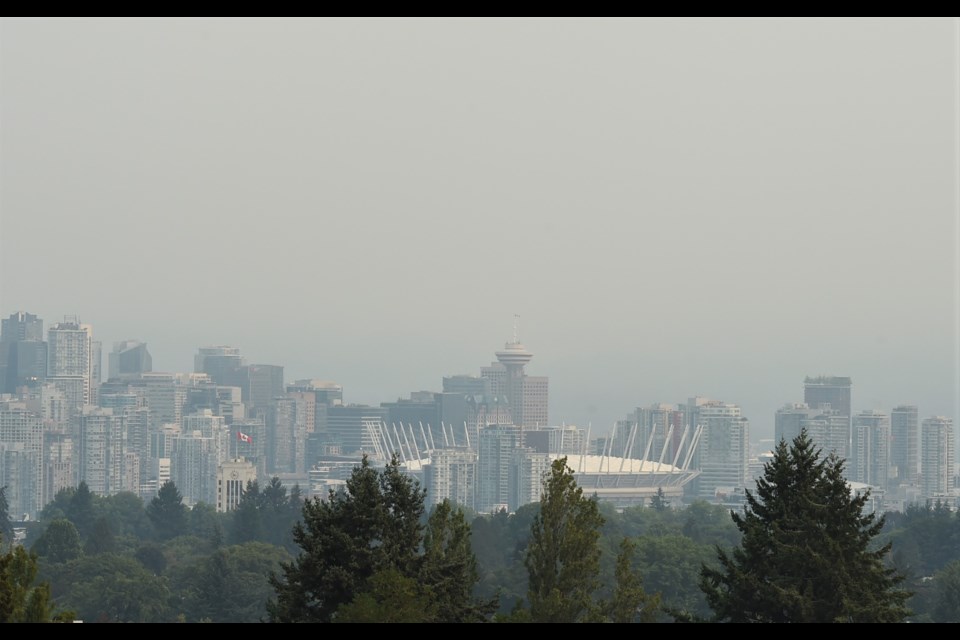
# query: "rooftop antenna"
[[516, 328]]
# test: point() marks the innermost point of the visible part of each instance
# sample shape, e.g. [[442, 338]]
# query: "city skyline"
[[674, 207], [803, 386]]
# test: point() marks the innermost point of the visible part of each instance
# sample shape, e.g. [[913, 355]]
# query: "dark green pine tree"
[[450, 567], [369, 528], [80, 510], [6, 526], [248, 516], [806, 553], [366, 557], [167, 512], [563, 558]]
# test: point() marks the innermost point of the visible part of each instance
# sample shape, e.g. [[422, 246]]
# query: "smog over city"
[[626, 238]]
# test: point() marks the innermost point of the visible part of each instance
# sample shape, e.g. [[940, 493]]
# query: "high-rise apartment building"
[[723, 451], [937, 456], [71, 353], [495, 450], [828, 430], [21, 439], [904, 445], [451, 475], [870, 449], [102, 448]]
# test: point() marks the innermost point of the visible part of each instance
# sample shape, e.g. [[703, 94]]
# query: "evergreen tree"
[[450, 567], [630, 602], [563, 558], [80, 510], [806, 553], [247, 523], [346, 539], [167, 512], [6, 527], [363, 554], [659, 501]]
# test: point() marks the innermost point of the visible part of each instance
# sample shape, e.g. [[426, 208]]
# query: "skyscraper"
[[495, 450], [829, 430], [870, 449], [831, 390], [904, 438], [102, 447], [218, 362], [23, 353], [526, 395], [723, 450], [70, 354], [937, 456], [129, 358]]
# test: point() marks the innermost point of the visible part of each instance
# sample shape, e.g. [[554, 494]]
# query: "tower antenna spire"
[[516, 328]]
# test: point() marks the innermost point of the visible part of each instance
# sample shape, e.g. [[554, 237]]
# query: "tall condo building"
[[723, 450], [21, 457], [495, 455], [102, 446], [870, 449], [829, 430], [937, 456], [72, 354], [904, 449]]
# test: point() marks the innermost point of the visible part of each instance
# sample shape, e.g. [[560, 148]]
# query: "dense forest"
[[116, 559]]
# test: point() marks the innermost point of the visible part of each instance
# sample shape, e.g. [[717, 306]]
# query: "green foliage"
[[80, 510], [113, 588], [59, 543], [232, 584], [101, 540], [167, 512], [563, 559], [946, 594], [670, 565], [806, 553], [150, 555], [21, 599], [450, 567], [363, 552], [6, 526], [630, 603], [659, 501], [391, 598]]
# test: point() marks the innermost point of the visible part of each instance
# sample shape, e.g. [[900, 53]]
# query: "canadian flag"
[[242, 437]]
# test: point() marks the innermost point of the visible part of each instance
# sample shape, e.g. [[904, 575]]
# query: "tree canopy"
[[806, 553], [22, 599], [563, 558], [364, 557], [167, 512]]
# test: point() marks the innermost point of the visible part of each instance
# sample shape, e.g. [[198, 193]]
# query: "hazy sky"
[[673, 207]]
